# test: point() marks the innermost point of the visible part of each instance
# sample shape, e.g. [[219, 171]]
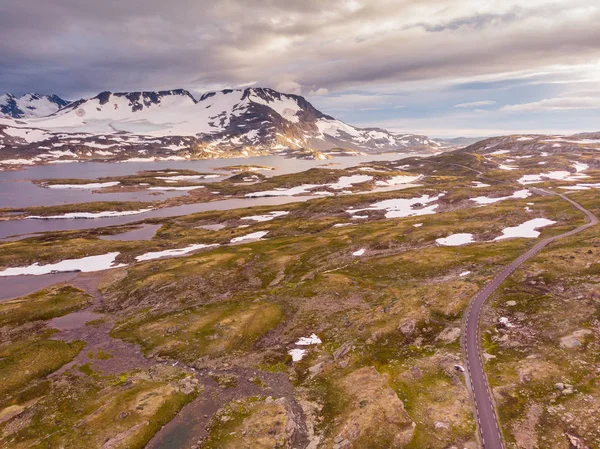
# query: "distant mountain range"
[[173, 124], [30, 105]]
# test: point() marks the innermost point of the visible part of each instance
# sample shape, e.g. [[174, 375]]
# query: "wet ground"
[[15, 286], [144, 232], [189, 427]]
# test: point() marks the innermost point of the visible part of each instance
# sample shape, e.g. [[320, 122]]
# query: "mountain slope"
[[30, 105], [173, 123]]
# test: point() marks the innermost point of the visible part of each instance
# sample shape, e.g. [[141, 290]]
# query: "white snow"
[[456, 240], [580, 166], [17, 162], [85, 265], [287, 107], [479, 185], [500, 152], [485, 200], [464, 273], [187, 177], [400, 207], [554, 175], [586, 186], [173, 252], [525, 230], [254, 236], [84, 215], [306, 341], [101, 146], [59, 153], [268, 217], [93, 185], [504, 321], [360, 252], [507, 167], [297, 354], [168, 188], [342, 183], [417, 225], [298, 190], [347, 181], [397, 180], [28, 134], [32, 106]]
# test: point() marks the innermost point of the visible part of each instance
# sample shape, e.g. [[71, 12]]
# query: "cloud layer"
[[421, 58]]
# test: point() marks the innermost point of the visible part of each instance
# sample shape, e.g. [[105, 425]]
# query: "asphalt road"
[[487, 421]]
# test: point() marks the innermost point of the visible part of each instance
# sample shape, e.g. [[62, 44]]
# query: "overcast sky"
[[438, 67]]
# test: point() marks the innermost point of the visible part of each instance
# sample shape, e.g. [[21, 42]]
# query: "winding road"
[[487, 421]]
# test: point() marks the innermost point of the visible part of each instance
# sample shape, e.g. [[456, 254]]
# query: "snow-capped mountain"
[[30, 105], [173, 123]]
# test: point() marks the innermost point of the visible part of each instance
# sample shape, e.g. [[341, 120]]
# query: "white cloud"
[[555, 104], [319, 92], [475, 104]]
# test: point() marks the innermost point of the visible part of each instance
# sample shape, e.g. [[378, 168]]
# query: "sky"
[[438, 67]]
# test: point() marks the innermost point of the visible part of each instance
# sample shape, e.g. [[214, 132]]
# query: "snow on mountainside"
[[173, 124], [30, 105]]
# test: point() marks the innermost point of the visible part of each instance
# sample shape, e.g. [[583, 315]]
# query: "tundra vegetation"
[[216, 328]]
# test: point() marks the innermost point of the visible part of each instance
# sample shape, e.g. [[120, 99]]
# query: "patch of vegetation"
[[43, 305], [25, 361], [211, 330]]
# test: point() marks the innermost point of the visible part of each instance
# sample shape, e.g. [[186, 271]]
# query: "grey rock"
[[317, 369], [342, 351], [407, 326]]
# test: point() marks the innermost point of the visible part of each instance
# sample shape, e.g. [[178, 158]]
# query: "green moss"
[[24, 362], [86, 369], [43, 305], [215, 329]]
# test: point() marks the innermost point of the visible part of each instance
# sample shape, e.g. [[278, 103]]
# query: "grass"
[[84, 411], [43, 305], [23, 362], [212, 330], [248, 304]]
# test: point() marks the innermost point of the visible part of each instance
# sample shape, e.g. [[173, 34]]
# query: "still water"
[[17, 190]]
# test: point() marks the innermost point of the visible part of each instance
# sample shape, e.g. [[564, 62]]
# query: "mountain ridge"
[[30, 105], [175, 123]]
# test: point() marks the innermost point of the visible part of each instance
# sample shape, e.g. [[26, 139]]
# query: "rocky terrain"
[[173, 125], [328, 323]]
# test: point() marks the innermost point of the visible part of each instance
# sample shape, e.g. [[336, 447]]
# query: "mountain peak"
[[30, 105], [235, 121]]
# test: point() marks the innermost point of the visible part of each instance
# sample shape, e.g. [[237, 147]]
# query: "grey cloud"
[[472, 22], [75, 47]]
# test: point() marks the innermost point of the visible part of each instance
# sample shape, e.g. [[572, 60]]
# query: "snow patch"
[[85, 265], [485, 200], [525, 230], [254, 236], [173, 252], [312, 340], [268, 217], [90, 215], [456, 240], [93, 185]]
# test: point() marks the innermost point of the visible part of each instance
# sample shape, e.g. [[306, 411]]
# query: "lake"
[[17, 190]]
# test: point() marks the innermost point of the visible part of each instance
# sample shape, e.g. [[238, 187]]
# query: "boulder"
[[407, 326], [342, 351]]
